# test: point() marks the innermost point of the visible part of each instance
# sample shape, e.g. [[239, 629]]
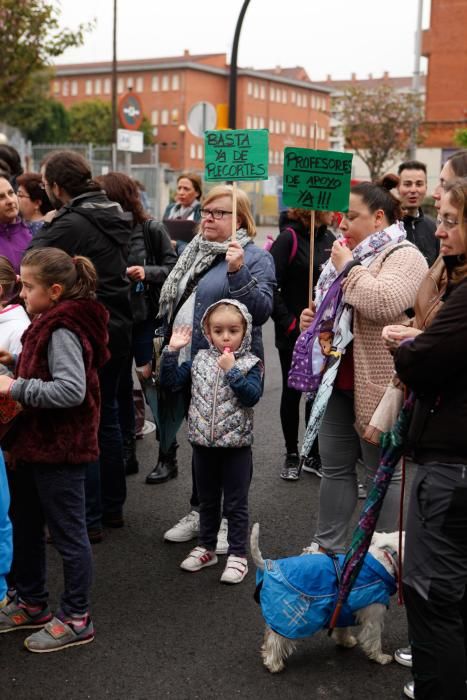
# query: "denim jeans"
[[52, 495], [142, 347], [105, 480]]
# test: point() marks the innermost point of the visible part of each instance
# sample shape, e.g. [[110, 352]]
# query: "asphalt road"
[[165, 633]]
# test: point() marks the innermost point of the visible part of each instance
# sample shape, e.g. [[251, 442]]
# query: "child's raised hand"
[[226, 361], [180, 337]]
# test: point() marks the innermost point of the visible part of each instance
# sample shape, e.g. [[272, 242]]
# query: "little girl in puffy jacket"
[[226, 382]]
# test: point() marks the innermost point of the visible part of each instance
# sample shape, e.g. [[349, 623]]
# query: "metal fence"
[[158, 180]]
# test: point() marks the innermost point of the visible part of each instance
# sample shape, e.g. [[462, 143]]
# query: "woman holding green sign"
[[379, 273], [214, 266]]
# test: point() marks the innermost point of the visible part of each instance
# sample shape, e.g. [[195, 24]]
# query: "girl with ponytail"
[[53, 442]]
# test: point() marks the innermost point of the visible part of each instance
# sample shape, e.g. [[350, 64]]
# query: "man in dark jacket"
[[88, 223], [420, 229]]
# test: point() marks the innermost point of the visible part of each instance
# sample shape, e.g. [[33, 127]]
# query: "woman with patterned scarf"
[[381, 273], [213, 266]]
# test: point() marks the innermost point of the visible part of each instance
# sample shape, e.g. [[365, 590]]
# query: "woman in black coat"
[[434, 366], [291, 253], [151, 257]]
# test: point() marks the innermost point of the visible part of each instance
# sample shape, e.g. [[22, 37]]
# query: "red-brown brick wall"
[[445, 45], [257, 105]]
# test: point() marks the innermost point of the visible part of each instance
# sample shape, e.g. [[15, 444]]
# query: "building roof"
[[131, 64], [398, 83], [207, 63]]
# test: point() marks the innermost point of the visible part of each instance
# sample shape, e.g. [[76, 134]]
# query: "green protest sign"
[[317, 180], [240, 154]]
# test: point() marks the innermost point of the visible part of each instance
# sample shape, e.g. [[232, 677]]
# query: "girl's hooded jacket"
[[221, 406]]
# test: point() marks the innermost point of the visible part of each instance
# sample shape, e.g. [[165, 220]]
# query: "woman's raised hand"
[[340, 255], [180, 337], [395, 334], [307, 316], [234, 256]]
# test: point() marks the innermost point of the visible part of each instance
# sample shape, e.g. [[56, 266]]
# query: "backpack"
[[270, 240], [309, 360]]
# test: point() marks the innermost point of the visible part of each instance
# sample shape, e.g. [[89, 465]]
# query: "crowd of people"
[[95, 294]]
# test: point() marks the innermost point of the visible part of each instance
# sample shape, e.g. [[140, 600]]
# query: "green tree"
[[31, 37], [91, 122], [378, 124], [460, 138], [146, 128], [41, 118]]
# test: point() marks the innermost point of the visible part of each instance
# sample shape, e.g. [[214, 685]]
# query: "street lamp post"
[[233, 69], [114, 88], [416, 79], [182, 132]]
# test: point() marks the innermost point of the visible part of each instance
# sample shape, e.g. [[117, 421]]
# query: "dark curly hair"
[[123, 189]]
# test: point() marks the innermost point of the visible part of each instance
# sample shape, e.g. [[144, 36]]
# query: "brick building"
[[446, 94], [283, 100]]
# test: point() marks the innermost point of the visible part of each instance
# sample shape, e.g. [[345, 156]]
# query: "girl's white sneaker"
[[235, 570], [198, 558]]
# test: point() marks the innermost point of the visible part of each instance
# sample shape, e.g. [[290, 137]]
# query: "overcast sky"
[[327, 36]]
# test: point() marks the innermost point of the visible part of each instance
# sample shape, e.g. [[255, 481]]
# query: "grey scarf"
[[197, 257]]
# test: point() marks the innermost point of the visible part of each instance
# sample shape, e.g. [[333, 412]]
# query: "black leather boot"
[[129, 456], [166, 467]]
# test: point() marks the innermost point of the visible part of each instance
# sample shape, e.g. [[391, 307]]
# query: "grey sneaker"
[[409, 689], [186, 529], [58, 635], [403, 656], [313, 466], [15, 615], [289, 470]]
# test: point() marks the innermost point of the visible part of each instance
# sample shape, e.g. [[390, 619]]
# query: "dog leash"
[[400, 593]]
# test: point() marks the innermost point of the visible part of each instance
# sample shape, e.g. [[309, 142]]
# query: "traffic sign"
[[130, 141], [202, 117], [130, 111]]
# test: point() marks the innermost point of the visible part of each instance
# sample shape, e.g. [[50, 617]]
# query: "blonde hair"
[[457, 193], [225, 306], [76, 275], [243, 206]]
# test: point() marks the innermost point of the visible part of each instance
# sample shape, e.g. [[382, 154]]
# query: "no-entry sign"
[[130, 111]]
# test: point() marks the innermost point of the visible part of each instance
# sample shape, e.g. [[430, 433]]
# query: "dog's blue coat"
[[298, 594]]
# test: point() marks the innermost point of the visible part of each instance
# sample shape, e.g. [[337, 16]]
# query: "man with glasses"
[[420, 229]]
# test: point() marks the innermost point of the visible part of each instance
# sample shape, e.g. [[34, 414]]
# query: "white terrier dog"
[[298, 594]]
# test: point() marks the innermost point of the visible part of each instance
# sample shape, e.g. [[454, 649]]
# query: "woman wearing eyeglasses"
[[214, 266], [434, 366], [433, 291]]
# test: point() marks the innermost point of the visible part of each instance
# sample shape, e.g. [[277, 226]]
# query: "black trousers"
[[52, 495], [435, 580], [228, 471]]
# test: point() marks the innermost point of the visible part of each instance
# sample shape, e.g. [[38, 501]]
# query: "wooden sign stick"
[[234, 210], [312, 237]]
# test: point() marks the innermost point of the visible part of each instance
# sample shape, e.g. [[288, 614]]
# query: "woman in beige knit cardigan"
[[382, 274]]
